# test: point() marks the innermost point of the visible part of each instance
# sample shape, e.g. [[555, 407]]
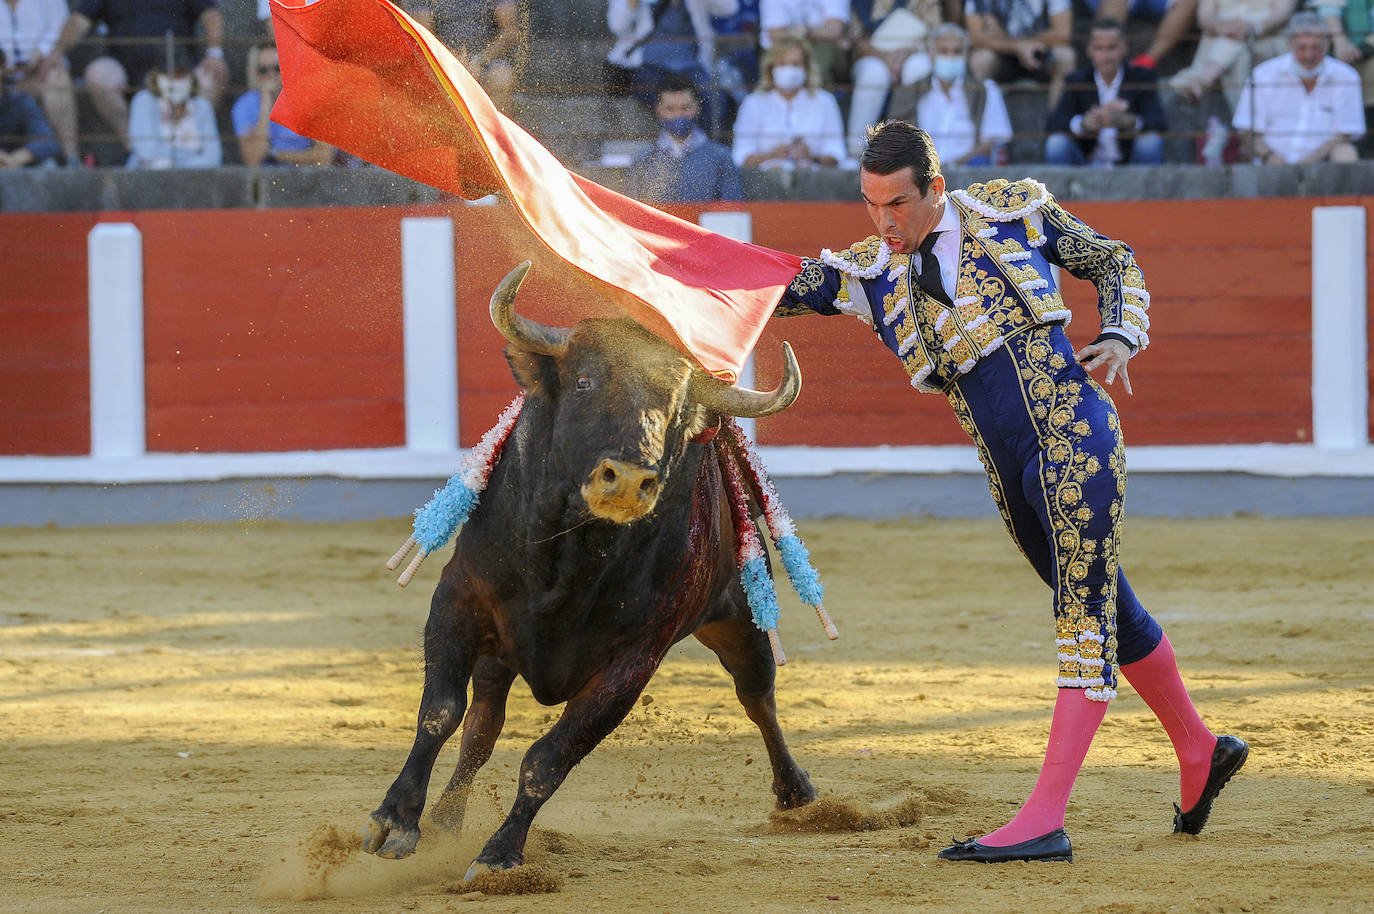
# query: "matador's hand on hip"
[[1113, 354]]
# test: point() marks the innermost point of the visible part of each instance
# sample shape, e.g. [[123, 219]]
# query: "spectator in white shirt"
[[788, 122], [822, 24], [890, 51], [966, 119], [1303, 106]]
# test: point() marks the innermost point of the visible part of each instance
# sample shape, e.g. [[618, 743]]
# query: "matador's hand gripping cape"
[[365, 77]]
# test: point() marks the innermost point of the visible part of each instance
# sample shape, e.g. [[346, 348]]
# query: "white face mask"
[[1313, 73], [176, 90], [949, 68], [788, 77]]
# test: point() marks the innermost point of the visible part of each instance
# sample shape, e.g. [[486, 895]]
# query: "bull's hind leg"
[[394, 828], [744, 652], [586, 720], [491, 681]]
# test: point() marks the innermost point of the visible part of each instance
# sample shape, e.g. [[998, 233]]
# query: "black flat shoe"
[[1054, 846], [1227, 758]]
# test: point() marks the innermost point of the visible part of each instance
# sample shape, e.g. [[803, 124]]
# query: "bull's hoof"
[[388, 838], [480, 867], [795, 795]]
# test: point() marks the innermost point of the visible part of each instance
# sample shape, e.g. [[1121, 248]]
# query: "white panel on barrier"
[[1340, 379], [739, 226], [114, 253], [431, 335]]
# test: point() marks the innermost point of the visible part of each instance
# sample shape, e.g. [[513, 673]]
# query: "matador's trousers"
[[1050, 440]]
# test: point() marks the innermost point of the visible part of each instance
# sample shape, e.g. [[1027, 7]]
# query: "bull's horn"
[[522, 331], [728, 400]]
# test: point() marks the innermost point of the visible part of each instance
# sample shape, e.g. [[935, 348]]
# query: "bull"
[[603, 538]]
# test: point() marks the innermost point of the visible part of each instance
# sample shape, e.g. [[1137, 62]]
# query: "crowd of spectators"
[[1291, 83], [767, 84]]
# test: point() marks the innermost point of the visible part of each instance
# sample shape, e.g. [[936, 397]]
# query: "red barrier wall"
[[270, 330], [45, 396]]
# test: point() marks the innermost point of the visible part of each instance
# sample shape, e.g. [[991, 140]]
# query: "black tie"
[[929, 277]]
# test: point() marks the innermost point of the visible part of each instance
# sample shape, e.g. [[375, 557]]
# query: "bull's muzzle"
[[620, 492]]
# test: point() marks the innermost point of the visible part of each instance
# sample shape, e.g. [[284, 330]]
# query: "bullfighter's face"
[[902, 215]]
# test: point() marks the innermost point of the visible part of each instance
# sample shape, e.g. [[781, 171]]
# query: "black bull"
[[602, 539]]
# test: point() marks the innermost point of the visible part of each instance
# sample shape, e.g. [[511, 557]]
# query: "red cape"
[[365, 77]]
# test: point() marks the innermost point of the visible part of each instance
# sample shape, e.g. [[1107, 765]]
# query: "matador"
[[961, 287]]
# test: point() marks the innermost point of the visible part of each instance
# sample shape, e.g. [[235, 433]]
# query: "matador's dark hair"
[[894, 145]]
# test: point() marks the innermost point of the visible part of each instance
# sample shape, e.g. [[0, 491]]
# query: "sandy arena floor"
[[200, 718]]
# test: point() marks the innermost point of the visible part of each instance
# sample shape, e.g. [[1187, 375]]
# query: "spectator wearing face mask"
[[171, 127], [684, 165], [788, 122], [891, 52], [966, 118], [1302, 106]]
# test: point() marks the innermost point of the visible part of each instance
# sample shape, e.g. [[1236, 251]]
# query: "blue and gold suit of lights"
[[1047, 434]]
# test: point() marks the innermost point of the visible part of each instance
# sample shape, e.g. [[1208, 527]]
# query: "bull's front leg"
[[393, 829], [491, 682], [588, 718], [744, 652]]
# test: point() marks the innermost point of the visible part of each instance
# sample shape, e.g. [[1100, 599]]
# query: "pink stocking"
[[1157, 681], [1076, 719]]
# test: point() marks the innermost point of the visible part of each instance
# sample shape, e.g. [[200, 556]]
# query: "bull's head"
[[625, 403]]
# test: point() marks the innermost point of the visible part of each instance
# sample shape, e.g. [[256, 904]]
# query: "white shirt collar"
[[949, 220], [1111, 89]]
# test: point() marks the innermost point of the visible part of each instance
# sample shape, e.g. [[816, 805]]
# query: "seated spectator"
[[1109, 112], [1351, 24], [170, 127], [490, 38], [889, 50], [1175, 18], [658, 37], [25, 136], [788, 122], [685, 165], [966, 120], [28, 36], [822, 24], [137, 47], [262, 141], [1302, 106], [1019, 39], [1236, 36]]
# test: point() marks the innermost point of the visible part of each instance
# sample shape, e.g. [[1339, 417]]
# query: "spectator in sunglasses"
[[263, 141]]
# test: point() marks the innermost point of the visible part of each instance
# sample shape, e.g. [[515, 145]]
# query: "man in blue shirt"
[[684, 165]]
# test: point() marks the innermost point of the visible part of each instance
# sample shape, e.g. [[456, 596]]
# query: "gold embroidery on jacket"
[[1085, 643]]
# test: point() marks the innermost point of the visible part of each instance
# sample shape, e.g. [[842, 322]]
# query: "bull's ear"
[[538, 374]]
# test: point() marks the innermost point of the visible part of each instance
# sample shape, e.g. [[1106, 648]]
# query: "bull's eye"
[[583, 383]]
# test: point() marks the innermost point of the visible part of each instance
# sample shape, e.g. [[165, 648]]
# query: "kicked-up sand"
[[200, 718]]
